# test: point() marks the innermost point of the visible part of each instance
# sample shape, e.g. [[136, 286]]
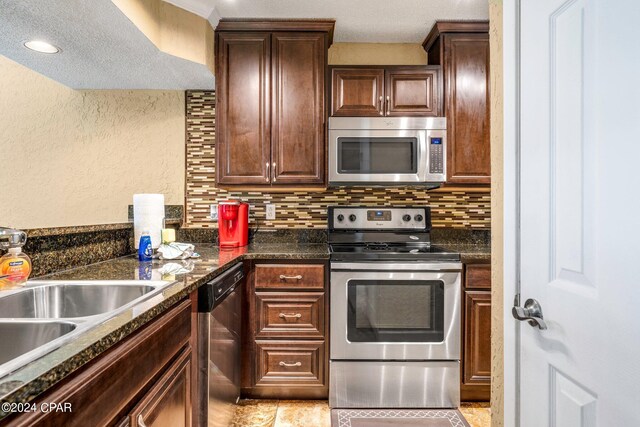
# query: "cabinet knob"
[[387, 108], [274, 171], [141, 421], [268, 174], [380, 103]]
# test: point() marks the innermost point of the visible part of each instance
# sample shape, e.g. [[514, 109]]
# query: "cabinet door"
[[168, 403], [298, 108], [357, 92], [466, 68], [243, 83], [412, 92], [476, 358]]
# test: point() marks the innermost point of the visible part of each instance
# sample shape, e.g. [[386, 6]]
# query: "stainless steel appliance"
[[387, 150], [395, 311], [219, 329]]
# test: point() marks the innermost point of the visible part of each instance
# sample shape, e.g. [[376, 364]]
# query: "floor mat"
[[397, 418]]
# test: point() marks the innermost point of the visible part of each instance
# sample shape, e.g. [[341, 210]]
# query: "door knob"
[[531, 312]]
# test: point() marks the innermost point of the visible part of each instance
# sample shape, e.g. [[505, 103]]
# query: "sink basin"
[[56, 301], [21, 337]]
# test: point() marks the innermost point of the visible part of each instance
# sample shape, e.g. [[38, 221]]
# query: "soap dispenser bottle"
[[15, 268]]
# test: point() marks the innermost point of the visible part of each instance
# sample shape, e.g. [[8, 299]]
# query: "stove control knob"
[[406, 218], [418, 218], [352, 217], [340, 218]]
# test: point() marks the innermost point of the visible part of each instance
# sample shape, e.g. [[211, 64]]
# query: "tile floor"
[[315, 413]]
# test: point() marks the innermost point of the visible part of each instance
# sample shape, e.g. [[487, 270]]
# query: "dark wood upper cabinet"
[[462, 48], [412, 92], [357, 92], [243, 126], [386, 91], [271, 112], [297, 131]]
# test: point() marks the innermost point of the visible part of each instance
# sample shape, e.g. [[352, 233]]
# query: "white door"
[[579, 213]]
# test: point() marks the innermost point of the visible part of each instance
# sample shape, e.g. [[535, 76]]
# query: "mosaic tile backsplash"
[[302, 209]]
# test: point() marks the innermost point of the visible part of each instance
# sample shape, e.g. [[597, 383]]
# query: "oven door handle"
[[386, 266]]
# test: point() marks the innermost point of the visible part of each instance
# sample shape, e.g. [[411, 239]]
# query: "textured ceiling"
[[364, 21], [101, 48]]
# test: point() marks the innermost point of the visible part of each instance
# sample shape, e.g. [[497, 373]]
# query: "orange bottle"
[[15, 268]]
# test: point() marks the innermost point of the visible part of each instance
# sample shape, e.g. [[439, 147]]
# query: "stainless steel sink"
[[19, 338], [46, 315], [57, 301]]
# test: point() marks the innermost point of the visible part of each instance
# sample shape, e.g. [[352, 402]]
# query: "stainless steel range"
[[395, 311]]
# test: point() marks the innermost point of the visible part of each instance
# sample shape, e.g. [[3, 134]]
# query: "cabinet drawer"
[[288, 363], [478, 276], [289, 276], [290, 314]]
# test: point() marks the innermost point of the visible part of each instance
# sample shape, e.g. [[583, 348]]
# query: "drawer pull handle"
[[290, 365], [298, 277], [141, 421], [284, 316]]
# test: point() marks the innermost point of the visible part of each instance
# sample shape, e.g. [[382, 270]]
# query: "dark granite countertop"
[[471, 254], [34, 378]]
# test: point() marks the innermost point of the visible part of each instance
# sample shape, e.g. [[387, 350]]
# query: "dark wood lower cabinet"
[[147, 374], [476, 333], [285, 354], [477, 348], [168, 403]]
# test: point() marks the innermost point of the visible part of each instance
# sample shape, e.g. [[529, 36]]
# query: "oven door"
[[395, 311], [377, 156]]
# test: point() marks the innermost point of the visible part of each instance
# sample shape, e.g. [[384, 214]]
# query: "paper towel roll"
[[148, 214]]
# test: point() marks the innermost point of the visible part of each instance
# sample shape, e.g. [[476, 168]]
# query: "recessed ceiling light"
[[42, 47]]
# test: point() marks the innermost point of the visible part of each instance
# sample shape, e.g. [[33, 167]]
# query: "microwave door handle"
[[423, 155]]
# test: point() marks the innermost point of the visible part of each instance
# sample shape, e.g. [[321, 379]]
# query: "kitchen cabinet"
[[476, 333], [386, 91], [462, 49], [243, 140], [147, 377], [286, 343], [271, 112], [168, 403], [357, 92]]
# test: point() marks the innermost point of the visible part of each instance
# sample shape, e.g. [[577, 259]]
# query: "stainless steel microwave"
[[387, 151]]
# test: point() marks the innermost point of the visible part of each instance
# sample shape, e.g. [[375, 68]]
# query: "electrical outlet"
[[214, 212], [271, 211]]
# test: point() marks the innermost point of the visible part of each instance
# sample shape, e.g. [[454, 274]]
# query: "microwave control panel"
[[436, 155]]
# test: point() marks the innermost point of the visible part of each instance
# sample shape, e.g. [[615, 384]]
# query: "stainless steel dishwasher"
[[219, 331]]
